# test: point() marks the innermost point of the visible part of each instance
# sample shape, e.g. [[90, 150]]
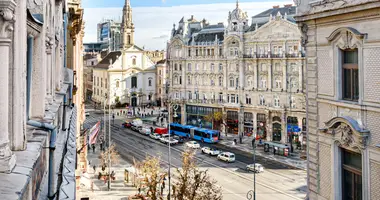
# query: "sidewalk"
[[119, 189], [293, 161]]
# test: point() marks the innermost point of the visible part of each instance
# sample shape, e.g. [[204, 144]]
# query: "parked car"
[[127, 124], [179, 138], [161, 131], [227, 157], [136, 128], [256, 168], [193, 144], [144, 131], [155, 136], [165, 139], [210, 151]]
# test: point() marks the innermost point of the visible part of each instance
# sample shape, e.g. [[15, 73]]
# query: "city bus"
[[200, 134]]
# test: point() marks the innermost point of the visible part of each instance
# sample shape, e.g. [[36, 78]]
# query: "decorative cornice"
[[7, 18]]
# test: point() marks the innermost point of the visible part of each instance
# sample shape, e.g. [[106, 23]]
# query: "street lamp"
[[175, 108], [251, 195]]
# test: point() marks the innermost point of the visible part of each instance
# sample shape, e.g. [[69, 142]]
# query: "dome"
[[238, 14]]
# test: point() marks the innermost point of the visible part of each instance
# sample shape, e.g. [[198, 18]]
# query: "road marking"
[[227, 170]]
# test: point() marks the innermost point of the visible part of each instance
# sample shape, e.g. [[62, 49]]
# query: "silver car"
[[256, 168]]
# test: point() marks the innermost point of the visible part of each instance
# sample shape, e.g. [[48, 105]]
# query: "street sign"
[[293, 128]]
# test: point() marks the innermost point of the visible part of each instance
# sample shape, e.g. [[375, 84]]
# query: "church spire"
[[237, 3], [127, 26]]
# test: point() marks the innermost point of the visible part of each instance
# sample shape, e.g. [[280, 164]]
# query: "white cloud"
[[154, 23]]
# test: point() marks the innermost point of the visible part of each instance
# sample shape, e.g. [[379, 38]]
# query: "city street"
[[277, 182]]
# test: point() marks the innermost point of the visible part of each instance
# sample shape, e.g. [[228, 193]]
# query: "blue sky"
[[154, 19], [154, 3]]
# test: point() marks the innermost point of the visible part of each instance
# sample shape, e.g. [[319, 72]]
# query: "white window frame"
[[276, 101]]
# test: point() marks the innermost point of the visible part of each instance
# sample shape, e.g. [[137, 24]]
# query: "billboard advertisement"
[[104, 32]]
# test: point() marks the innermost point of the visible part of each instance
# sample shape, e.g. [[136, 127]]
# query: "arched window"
[[220, 66], [175, 67], [150, 81], [232, 82], [117, 84], [133, 61]]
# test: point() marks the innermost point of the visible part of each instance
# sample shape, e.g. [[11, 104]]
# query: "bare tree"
[[153, 175], [115, 157], [193, 183]]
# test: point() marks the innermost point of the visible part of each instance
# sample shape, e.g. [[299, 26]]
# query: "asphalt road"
[[277, 182]]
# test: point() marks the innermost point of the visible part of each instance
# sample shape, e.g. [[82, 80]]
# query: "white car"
[[193, 144], [155, 136], [257, 169], [227, 157], [145, 131], [165, 139], [210, 151]]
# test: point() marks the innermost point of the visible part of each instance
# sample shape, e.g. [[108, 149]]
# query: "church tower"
[[127, 26]]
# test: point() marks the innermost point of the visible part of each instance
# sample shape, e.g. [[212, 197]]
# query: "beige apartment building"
[[342, 41]]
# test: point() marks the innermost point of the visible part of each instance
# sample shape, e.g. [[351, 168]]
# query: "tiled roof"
[[105, 62], [290, 10], [208, 37]]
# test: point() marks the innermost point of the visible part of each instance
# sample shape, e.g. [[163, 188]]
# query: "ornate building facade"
[[38, 108], [253, 73], [342, 41]]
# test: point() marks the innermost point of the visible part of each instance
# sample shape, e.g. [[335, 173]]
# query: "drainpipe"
[[64, 65], [53, 137], [29, 64]]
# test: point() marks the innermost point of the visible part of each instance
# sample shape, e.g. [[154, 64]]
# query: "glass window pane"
[[355, 82], [352, 159], [347, 185], [347, 84], [350, 56]]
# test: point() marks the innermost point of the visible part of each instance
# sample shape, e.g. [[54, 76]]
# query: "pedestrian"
[[151, 112], [92, 186], [93, 148], [151, 129], [163, 184], [162, 189], [101, 146], [139, 190], [94, 167]]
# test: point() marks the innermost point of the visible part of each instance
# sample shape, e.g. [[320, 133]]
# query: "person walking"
[[93, 148], [94, 167]]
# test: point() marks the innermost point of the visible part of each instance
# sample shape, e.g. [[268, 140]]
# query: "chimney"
[[276, 6], [288, 5]]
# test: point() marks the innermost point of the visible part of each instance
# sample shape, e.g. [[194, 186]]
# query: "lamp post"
[[251, 195], [175, 108]]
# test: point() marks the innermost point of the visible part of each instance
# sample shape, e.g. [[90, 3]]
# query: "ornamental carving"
[[324, 5], [347, 133], [7, 19], [277, 73], [346, 38], [263, 73]]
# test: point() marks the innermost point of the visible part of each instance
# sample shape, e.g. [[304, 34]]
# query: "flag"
[[94, 133]]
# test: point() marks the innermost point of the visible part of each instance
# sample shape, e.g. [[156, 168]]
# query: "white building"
[[127, 76], [252, 73]]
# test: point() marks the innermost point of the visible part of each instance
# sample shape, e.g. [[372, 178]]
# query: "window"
[[220, 81], [117, 84], [249, 81], [134, 82], [351, 175], [189, 95], [232, 98], [180, 80], [150, 82], [262, 100], [94, 80], [101, 82], [212, 52], [128, 39], [303, 124], [105, 84], [177, 95], [175, 67], [220, 66], [189, 67], [159, 72], [208, 52], [159, 81], [212, 66], [220, 51], [276, 101], [278, 83], [228, 98], [292, 102], [248, 99], [231, 82], [189, 80], [159, 91], [220, 97], [196, 52], [236, 51], [133, 61], [189, 54], [350, 75], [92, 63], [180, 67], [263, 83]]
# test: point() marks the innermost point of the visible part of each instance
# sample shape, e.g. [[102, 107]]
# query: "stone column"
[[255, 79], [7, 19], [300, 76], [18, 120], [49, 69], [269, 83], [284, 76]]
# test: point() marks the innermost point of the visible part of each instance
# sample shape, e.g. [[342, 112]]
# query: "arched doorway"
[[276, 127]]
